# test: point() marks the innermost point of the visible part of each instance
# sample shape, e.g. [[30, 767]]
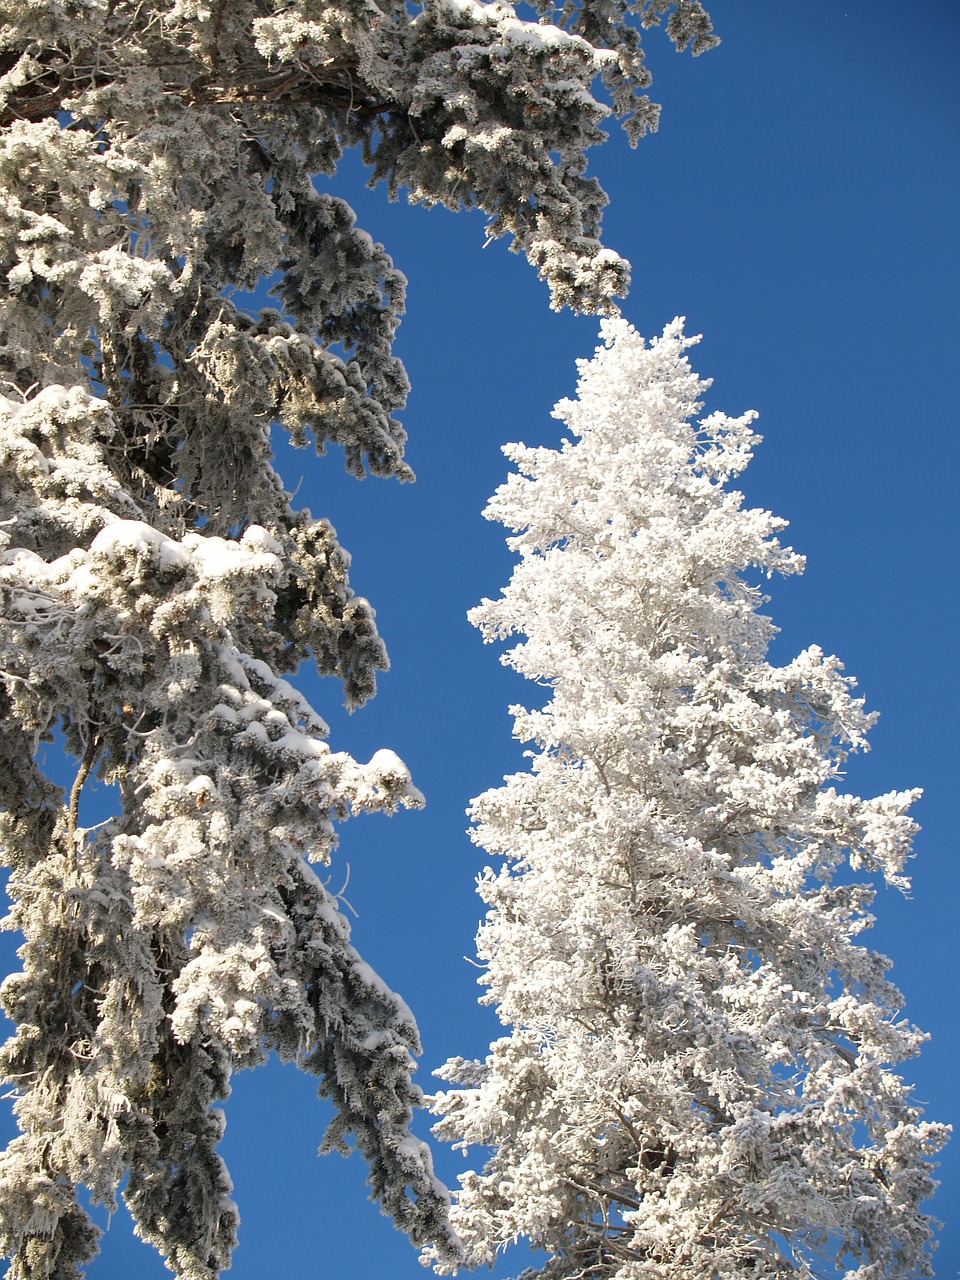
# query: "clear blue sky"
[[800, 206]]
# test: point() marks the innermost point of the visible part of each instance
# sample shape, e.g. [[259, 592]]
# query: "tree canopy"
[[698, 1074], [158, 583]]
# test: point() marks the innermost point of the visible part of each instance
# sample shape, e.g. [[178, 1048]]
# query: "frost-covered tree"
[[156, 162], [698, 1077]]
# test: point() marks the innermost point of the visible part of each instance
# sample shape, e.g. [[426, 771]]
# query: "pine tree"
[[698, 1075], [158, 585]]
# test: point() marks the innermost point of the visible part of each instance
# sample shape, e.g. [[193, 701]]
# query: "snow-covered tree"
[[698, 1080], [156, 162]]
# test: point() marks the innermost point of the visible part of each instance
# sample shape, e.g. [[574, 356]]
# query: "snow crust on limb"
[[222, 110], [184, 937], [698, 1077]]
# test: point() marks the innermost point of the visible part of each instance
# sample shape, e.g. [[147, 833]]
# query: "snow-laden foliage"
[[698, 1077], [193, 125], [187, 935], [156, 162]]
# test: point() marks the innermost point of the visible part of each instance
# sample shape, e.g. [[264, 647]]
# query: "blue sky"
[[799, 206]]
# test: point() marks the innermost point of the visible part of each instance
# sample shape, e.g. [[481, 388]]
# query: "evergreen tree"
[[156, 161], [697, 1079]]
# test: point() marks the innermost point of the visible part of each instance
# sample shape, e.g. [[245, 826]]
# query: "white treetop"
[[698, 1079], [157, 584]]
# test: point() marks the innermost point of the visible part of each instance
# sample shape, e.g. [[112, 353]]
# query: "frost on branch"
[[214, 114], [697, 1077], [187, 935]]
